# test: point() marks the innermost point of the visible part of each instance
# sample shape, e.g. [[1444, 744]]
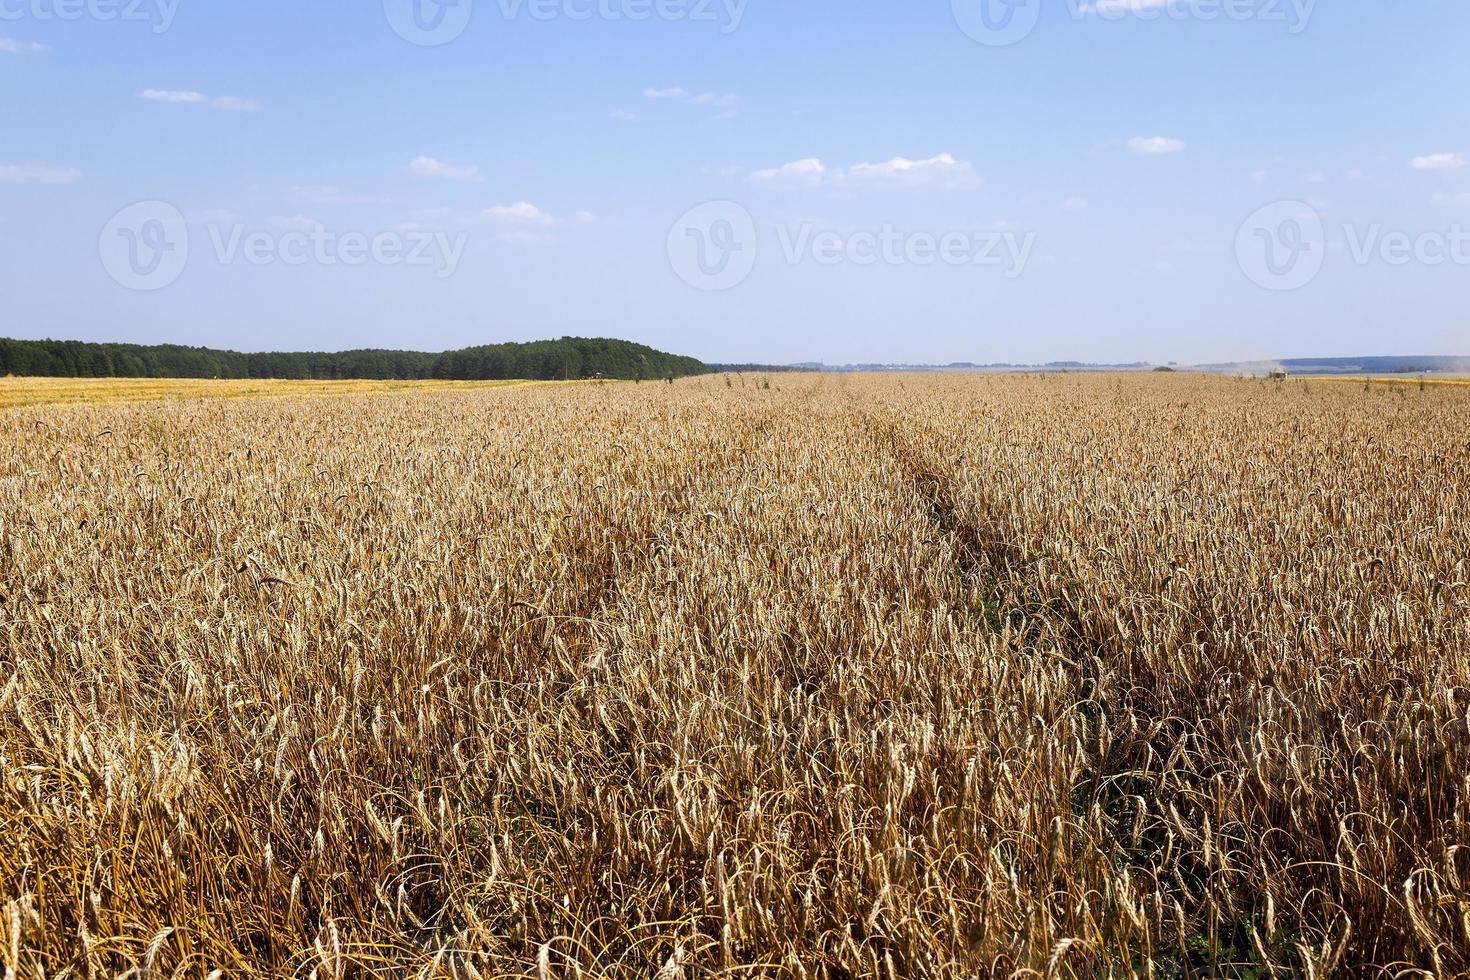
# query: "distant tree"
[[547, 360]]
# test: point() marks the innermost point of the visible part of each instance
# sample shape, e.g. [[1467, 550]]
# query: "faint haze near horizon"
[[1127, 153]]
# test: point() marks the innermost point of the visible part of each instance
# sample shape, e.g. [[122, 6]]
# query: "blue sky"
[[1097, 183]]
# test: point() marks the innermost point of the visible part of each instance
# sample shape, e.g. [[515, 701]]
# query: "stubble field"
[[1072, 676]]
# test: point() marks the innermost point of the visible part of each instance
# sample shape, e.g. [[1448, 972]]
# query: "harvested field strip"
[[1392, 382], [16, 392]]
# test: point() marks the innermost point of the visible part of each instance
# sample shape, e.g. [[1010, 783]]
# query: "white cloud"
[[807, 171], [943, 171], [228, 103], [296, 222], [1460, 200], [9, 45], [1315, 177], [714, 100], [431, 219], [1438, 161], [224, 103], [335, 197], [36, 173], [1075, 204], [520, 213], [624, 115], [174, 96], [521, 237], [1153, 146], [586, 217], [439, 170], [1259, 176]]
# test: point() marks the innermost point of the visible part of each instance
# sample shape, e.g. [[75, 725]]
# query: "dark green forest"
[[570, 358]]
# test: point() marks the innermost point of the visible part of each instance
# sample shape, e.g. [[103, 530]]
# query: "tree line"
[[571, 358]]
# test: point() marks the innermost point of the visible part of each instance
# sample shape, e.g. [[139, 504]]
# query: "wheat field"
[[15, 392], [801, 676]]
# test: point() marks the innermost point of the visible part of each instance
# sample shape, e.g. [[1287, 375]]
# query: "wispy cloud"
[[716, 100], [1155, 146], [522, 237], [333, 196], [296, 222], [229, 103], [1438, 161], [174, 96], [9, 45], [1460, 200], [624, 115], [1075, 204], [224, 103], [520, 213], [808, 171], [36, 173], [943, 172], [439, 170], [431, 219], [723, 100]]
